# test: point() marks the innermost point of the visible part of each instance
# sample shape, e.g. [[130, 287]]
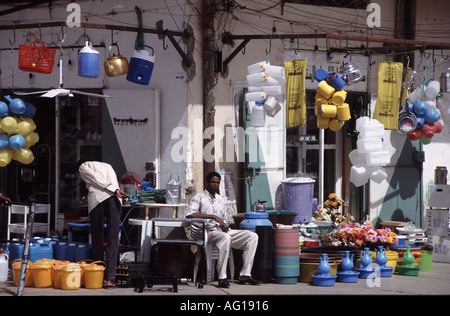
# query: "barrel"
[[286, 256], [254, 219], [262, 266]]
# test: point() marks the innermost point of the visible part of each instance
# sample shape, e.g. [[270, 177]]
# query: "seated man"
[[210, 205]]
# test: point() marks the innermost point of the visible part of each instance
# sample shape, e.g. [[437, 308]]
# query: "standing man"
[[210, 205], [104, 206], [4, 200]]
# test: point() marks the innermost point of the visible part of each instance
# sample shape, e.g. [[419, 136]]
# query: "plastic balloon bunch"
[[421, 102], [330, 107], [17, 131]]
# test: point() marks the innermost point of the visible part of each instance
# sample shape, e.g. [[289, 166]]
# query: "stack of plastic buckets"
[[298, 197]]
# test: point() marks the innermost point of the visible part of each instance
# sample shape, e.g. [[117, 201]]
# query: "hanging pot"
[[115, 65], [351, 73], [259, 206]]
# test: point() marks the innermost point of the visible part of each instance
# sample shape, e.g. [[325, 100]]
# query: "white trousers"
[[235, 238]]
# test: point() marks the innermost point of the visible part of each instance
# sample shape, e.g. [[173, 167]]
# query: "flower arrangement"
[[354, 234], [330, 211]]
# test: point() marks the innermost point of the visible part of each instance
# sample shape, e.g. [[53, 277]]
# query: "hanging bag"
[[34, 58]]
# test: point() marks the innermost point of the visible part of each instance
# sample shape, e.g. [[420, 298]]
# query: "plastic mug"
[[336, 81], [325, 90], [339, 97]]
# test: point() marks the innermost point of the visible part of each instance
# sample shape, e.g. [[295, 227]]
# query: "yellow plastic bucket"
[[82, 265], [46, 261], [16, 266], [57, 272], [42, 275], [93, 275], [71, 277]]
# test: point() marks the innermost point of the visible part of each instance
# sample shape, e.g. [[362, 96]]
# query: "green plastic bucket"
[[425, 261]]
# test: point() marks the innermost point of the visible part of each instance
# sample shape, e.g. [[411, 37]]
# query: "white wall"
[[168, 75]]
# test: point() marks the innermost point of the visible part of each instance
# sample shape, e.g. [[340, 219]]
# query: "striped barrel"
[[286, 256]]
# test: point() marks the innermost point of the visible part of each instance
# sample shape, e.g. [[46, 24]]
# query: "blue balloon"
[[4, 141], [16, 141], [420, 108], [4, 109], [432, 116], [420, 121]]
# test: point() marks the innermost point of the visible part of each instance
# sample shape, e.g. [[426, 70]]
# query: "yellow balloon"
[[31, 139], [5, 157], [24, 127], [24, 155], [30, 121], [9, 124]]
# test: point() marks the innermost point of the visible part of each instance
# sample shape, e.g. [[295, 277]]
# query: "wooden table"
[[158, 206]]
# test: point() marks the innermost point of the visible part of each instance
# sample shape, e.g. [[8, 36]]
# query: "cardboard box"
[[438, 222], [441, 249]]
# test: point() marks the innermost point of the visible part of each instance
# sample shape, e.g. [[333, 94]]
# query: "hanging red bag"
[[34, 58]]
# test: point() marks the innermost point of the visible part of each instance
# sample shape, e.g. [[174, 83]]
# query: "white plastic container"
[[366, 145], [255, 96], [372, 131], [258, 78], [258, 67], [360, 122], [378, 175], [433, 88], [378, 158], [258, 117], [357, 159], [275, 70], [359, 176], [273, 90]]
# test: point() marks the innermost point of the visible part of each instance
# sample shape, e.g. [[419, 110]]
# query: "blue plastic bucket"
[[298, 197], [141, 65], [286, 267], [253, 219]]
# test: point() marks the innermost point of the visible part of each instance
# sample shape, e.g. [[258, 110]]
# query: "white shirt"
[[101, 182], [204, 202]]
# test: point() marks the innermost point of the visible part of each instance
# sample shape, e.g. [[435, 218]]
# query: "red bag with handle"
[[34, 58]]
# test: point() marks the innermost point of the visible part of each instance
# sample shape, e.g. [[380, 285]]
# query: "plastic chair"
[[211, 254]]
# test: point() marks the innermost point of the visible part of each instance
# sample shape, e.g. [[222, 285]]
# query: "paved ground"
[[434, 282]]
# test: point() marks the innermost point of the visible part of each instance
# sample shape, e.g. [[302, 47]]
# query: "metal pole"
[[26, 248]]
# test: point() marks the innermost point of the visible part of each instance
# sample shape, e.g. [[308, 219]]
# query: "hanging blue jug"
[[4, 109], [88, 62], [141, 66]]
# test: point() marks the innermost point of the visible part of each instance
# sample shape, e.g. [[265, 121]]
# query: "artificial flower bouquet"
[[359, 235], [330, 211]]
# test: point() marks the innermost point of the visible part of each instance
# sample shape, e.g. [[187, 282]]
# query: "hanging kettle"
[[115, 65]]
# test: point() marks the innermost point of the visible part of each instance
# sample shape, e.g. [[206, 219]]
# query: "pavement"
[[431, 283]]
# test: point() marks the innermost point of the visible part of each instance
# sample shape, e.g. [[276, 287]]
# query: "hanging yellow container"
[[82, 265], [93, 275], [343, 112], [42, 274], [325, 90], [16, 266], [71, 277], [335, 125]]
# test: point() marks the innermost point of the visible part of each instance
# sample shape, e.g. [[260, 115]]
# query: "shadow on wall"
[[402, 201]]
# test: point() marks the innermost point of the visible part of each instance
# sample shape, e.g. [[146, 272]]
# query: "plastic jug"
[[4, 141], [3, 266], [9, 124], [258, 118], [24, 155], [17, 106], [173, 188], [141, 66], [88, 62]]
